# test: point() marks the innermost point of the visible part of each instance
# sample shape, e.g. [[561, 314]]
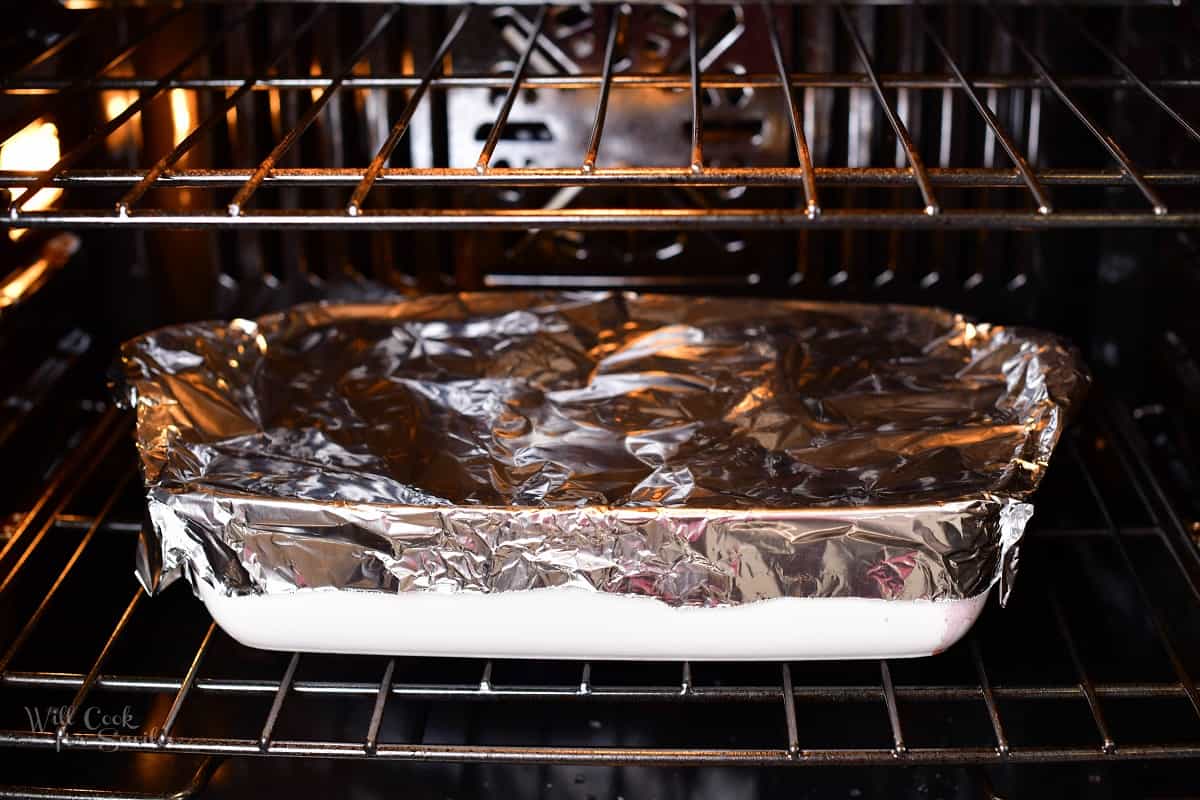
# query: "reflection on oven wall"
[[550, 128], [646, 126]]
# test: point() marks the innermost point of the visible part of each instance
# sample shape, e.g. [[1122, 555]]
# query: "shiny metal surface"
[[957, 177], [697, 450], [660, 219], [643, 125], [24, 280], [624, 79]]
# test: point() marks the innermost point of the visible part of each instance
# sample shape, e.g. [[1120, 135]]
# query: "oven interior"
[[1023, 163]]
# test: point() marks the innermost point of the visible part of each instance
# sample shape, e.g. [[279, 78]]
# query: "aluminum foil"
[[701, 451]]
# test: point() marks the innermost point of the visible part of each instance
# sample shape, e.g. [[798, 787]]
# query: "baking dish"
[[595, 475]]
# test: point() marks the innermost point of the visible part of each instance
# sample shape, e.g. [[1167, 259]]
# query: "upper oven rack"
[[816, 195]]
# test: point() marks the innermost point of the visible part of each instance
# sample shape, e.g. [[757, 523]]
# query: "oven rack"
[[1015, 192], [1104, 457]]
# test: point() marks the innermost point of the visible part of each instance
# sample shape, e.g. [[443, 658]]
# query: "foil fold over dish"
[[700, 451]]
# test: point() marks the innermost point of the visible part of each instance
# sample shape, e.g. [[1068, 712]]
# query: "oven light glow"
[[34, 147], [16, 286], [231, 118], [126, 140], [183, 114], [116, 101], [315, 71], [276, 119]]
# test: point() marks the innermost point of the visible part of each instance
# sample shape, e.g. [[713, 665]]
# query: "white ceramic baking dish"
[[568, 623]]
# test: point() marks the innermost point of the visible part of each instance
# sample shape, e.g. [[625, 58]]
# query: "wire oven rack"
[[1095, 665], [1125, 690], [1019, 192]]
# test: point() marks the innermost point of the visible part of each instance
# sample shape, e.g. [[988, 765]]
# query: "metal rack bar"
[[60, 735], [185, 687], [385, 687], [694, 69], [1128, 72], [924, 81], [510, 97], [84, 521], [102, 132], [893, 710], [127, 201], [613, 756], [910, 150], [239, 201], [1085, 682], [585, 679], [48, 597], [485, 680], [789, 710], [702, 694], [1014, 152], [807, 174], [65, 89], [961, 177], [414, 100], [617, 26], [607, 219], [264, 739], [989, 698], [1106, 141], [633, 80]]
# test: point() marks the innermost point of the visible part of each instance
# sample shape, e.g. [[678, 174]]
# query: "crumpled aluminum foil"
[[702, 451]]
